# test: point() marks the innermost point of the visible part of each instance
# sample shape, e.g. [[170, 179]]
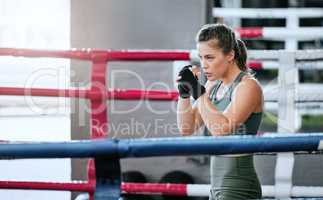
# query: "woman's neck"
[[230, 75]]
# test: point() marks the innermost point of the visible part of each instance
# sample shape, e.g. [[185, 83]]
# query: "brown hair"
[[224, 38]]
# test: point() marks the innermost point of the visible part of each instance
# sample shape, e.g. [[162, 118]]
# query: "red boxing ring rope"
[[95, 55], [119, 94], [250, 32], [131, 188]]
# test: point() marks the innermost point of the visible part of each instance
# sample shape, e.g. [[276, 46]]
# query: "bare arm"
[[189, 119], [246, 97]]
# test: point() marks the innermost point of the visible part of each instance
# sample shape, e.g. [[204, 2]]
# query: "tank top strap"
[[232, 86], [236, 82], [214, 90]]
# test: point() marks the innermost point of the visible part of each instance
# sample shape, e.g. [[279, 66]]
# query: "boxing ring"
[[108, 152], [104, 173]]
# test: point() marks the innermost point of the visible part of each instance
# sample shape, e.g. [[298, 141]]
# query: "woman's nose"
[[204, 64]]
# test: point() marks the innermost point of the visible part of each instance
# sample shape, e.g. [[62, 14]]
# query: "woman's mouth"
[[207, 74]]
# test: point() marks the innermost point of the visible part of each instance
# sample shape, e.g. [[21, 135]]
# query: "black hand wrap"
[[188, 84]]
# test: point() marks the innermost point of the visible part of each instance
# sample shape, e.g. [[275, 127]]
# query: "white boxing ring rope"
[[268, 12]]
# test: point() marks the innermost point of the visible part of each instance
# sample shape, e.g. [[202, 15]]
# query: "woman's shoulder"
[[250, 81], [251, 90], [248, 84]]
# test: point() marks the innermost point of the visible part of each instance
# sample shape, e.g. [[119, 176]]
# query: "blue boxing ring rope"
[[108, 152], [172, 146]]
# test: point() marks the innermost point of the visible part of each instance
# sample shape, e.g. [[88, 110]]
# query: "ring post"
[[107, 170], [108, 178]]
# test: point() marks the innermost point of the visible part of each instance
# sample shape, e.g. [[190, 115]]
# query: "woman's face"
[[214, 62]]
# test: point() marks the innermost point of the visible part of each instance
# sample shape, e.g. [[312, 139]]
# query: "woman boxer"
[[231, 103]]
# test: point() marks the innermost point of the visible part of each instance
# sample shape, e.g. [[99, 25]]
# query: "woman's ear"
[[230, 56]]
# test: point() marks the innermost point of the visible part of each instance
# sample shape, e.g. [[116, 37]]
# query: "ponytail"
[[240, 55]]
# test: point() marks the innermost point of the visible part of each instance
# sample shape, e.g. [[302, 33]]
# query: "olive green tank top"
[[234, 177], [252, 123]]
